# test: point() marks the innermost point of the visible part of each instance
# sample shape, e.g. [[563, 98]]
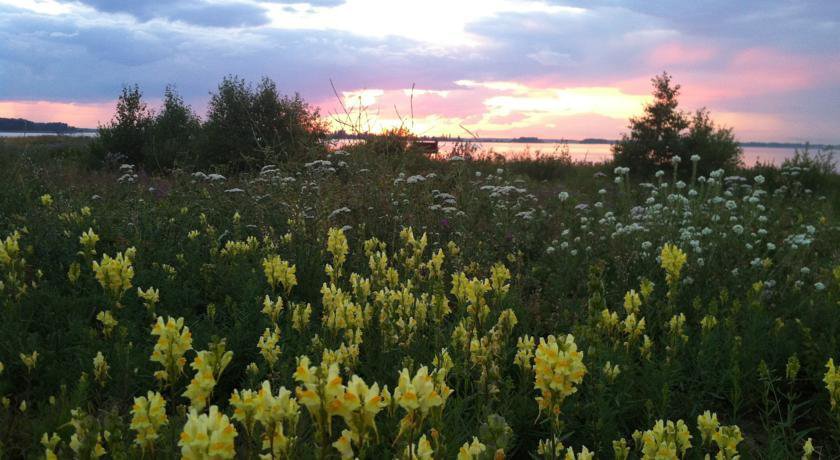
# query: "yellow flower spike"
[[174, 339], [558, 368], [246, 405], [832, 384], [30, 360], [632, 302], [115, 274], [672, 261], [664, 441], [344, 444], [727, 439], [807, 449], [621, 449], [708, 424], [88, 241], [268, 346], [338, 247], [278, 271], [74, 272], [278, 414], [108, 322], [148, 415], [207, 436], [100, 368], [499, 277], [50, 443], [300, 316], [272, 309], [420, 451], [611, 371], [524, 353], [471, 450], [150, 296]]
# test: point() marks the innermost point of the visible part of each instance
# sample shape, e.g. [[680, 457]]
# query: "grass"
[[756, 297]]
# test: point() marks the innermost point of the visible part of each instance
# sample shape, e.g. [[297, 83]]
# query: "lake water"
[[595, 153], [82, 134], [598, 153]]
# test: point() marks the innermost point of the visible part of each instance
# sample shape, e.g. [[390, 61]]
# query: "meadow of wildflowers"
[[370, 307]]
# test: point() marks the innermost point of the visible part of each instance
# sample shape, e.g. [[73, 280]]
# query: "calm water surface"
[[600, 152], [579, 152]]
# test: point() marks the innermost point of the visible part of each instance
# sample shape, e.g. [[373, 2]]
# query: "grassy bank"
[[485, 274]]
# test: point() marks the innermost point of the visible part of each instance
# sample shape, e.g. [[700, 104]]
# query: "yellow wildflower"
[[269, 348], [672, 261], [337, 246], [807, 449], [115, 274], [108, 322], [727, 439], [300, 316], [665, 440], [632, 302], [272, 309], [420, 451], [150, 296], [524, 353], [344, 444], [708, 424], [208, 366], [174, 339], [207, 436], [832, 383], [148, 415], [50, 443], [100, 368], [88, 241], [471, 451], [74, 272], [499, 277], [46, 200], [30, 360], [278, 415], [558, 367], [278, 271]]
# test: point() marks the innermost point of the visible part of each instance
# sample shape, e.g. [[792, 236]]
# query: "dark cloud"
[[322, 3], [200, 13]]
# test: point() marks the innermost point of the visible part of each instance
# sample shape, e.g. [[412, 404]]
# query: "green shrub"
[[664, 132]]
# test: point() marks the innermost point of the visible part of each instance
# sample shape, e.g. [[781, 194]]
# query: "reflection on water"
[[597, 153]]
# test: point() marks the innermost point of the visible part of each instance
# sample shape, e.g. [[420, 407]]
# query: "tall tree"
[[663, 131], [176, 128], [127, 133]]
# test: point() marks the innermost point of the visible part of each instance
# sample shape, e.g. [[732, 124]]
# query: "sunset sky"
[[571, 69]]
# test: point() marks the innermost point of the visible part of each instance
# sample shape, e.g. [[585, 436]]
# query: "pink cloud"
[[676, 53], [87, 115]]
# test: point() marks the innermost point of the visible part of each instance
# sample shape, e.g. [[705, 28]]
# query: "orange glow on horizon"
[[80, 115]]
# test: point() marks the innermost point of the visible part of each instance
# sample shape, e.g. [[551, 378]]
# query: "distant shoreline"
[[529, 140], [486, 140]]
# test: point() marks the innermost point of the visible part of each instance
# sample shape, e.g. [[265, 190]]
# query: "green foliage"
[[664, 131], [246, 127], [174, 134], [127, 134], [568, 263], [249, 126]]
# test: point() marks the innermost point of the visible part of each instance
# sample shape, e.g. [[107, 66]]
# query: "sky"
[[770, 69]]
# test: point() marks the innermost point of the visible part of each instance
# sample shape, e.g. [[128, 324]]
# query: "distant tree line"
[[21, 125], [663, 132], [246, 126]]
